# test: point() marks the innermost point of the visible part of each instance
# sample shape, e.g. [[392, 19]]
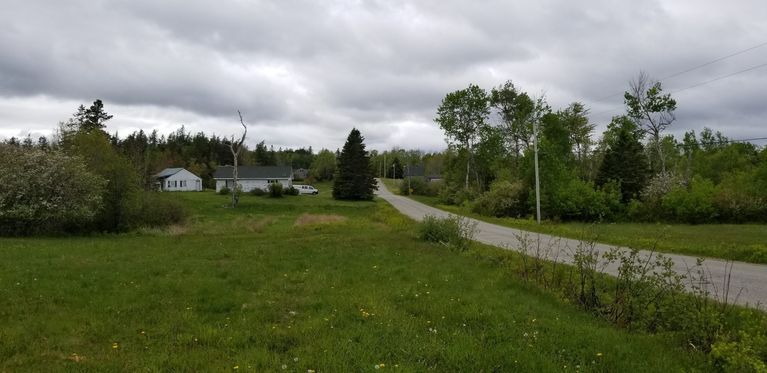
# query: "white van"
[[306, 189]]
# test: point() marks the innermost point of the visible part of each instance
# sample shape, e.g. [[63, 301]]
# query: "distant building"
[[252, 177], [177, 180], [300, 173]]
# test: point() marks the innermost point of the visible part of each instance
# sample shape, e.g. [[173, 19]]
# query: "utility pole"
[[384, 166], [537, 179], [409, 175]]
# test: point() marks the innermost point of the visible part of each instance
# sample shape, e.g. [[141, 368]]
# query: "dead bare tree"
[[236, 147]]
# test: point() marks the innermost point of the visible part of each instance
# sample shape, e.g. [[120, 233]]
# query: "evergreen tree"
[[398, 172], [354, 176], [624, 161]]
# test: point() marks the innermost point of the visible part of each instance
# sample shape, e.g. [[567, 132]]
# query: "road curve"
[[748, 282]]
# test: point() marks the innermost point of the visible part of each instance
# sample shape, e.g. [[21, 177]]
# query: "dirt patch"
[[254, 225], [312, 219]]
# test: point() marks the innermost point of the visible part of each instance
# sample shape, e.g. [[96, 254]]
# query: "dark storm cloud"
[[304, 72]]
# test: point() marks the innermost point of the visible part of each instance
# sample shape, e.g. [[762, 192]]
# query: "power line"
[[695, 85], [697, 67], [720, 78]]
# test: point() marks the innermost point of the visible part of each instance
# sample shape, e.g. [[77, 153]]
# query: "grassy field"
[[293, 284], [743, 242]]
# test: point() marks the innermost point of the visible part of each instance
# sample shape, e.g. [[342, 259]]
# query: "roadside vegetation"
[[645, 295], [634, 172], [742, 242], [295, 283]]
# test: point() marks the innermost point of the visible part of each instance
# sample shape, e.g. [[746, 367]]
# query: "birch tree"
[[651, 109]]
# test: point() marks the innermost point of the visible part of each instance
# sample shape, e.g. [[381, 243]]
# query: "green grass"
[[248, 288], [743, 242]]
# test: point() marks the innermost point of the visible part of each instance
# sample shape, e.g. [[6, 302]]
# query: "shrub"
[[291, 191], [652, 196], [46, 192], [160, 209], [694, 206], [275, 190], [257, 192], [579, 200], [419, 186], [454, 231], [503, 199], [456, 195], [224, 191]]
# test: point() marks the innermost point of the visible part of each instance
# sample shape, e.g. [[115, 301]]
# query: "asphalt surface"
[[747, 282]]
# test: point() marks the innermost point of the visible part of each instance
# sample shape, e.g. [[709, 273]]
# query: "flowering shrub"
[[45, 192]]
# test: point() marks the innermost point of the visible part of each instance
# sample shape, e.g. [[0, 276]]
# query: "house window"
[[168, 183], [175, 183]]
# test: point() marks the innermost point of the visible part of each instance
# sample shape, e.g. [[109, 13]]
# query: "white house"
[[178, 180], [252, 177]]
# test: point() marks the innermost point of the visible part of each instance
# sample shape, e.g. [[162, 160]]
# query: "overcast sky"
[[305, 72]]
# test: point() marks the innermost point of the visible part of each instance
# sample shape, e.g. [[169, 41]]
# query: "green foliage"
[[160, 209], [452, 194], [462, 116], [46, 192], [224, 191], [121, 199], [275, 190], [694, 205], [257, 192], [291, 191], [419, 186], [454, 232], [90, 119], [354, 177], [624, 160], [324, 166], [397, 170], [503, 199]]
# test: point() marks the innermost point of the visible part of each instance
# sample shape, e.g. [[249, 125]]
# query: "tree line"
[[86, 180], [634, 171]]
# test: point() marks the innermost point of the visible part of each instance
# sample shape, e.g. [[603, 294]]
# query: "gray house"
[[252, 177], [177, 180]]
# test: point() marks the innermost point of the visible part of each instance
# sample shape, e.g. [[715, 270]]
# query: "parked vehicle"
[[306, 189]]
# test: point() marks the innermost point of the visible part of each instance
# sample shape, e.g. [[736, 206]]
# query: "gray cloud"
[[305, 72]]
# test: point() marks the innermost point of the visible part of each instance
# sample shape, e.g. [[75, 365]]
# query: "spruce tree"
[[354, 176], [624, 161]]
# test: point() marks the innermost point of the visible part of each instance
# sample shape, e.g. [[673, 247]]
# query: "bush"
[[291, 191], [579, 200], [160, 209], [455, 232], [503, 199], [46, 192], [419, 186], [224, 191], [693, 206], [456, 195], [275, 190], [257, 192]]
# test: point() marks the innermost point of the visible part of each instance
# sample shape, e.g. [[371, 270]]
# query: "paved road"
[[748, 282]]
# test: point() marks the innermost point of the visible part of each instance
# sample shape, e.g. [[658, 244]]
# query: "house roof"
[[254, 172], [167, 172]]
